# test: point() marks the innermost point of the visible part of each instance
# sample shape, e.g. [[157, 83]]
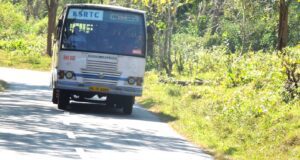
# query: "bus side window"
[[58, 28], [66, 34]]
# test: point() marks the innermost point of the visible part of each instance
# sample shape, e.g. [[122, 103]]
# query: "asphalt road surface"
[[32, 128]]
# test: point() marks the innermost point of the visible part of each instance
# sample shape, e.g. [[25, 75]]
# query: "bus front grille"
[[103, 72]]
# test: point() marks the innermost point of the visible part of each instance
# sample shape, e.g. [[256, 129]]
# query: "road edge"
[[168, 120], [3, 86]]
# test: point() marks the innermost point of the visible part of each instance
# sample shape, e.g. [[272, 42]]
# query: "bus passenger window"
[[132, 40], [77, 39], [114, 33]]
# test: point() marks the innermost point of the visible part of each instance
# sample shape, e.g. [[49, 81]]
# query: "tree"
[[52, 6], [37, 8], [217, 12], [163, 24], [283, 24], [29, 9]]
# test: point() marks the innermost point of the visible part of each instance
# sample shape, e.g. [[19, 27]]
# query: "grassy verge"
[[248, 120], [3, 85], [29, 61]]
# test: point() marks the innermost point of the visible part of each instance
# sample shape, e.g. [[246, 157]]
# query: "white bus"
[[99, 50]]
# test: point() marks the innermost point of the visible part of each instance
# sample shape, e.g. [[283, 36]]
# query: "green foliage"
[[40, 28], [184, 50], [210, 41], [25, 61], [248, 107], [244, 69], [294, 24], [173, 92], [11, 21], [230, 36], [290, 59], [243, 115], [28, 45], [22, 42]]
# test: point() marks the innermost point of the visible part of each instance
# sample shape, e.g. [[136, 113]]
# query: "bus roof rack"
[[89, 5]]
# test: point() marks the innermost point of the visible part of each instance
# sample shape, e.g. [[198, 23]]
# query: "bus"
[[99, 50]]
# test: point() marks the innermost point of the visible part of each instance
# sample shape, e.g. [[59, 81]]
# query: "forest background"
[[224, 73]]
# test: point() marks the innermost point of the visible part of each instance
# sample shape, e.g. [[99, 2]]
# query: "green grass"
[[3, 85], [28, 61], [250, 120]]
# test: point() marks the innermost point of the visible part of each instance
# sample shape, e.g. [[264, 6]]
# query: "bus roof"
[[101, 6]]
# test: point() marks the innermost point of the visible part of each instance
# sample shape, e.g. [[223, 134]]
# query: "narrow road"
[[31, 127]]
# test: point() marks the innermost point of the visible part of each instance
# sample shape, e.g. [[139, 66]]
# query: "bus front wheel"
[[54, 96], [128, 103], [63, 100]]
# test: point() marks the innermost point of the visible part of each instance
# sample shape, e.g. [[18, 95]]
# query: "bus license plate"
[[99, 89]]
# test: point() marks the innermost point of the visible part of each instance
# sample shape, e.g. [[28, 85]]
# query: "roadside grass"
[[3, 85], [29, 61], [248, 121]]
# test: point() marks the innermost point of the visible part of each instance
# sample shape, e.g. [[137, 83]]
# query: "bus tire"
[[63, 100], [54, 96], [128, 105], [113, 101]]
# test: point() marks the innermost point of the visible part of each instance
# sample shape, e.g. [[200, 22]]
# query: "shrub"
[[174, 91], [210, 41], [12, 22], [40, 27], [290, 60]]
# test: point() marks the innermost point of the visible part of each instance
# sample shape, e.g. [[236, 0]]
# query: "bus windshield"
[[104, 31]]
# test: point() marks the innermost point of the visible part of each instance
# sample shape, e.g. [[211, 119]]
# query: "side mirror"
[[59, 24], [58, 28]]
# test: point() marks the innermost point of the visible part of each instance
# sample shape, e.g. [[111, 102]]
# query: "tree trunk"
[[150, 40], [170, 33], [167, 43], [244, 27], [36, 9], [170, 18], [52, 8], [161, 50], [218, 9], [283, 25], [29, 9], [150, 30], [165, 50]]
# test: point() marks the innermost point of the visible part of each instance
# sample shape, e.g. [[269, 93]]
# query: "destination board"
[[85, 14]]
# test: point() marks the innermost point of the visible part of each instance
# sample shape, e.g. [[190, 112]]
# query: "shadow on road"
[[31, 124], [33, 128], [101, 110]]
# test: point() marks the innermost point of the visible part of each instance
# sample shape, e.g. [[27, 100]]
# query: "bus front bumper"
[[96, 88]]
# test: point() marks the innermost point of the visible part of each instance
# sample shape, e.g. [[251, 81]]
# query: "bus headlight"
[[66, 74], [69, 75], [135, 80], [131, 80]]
